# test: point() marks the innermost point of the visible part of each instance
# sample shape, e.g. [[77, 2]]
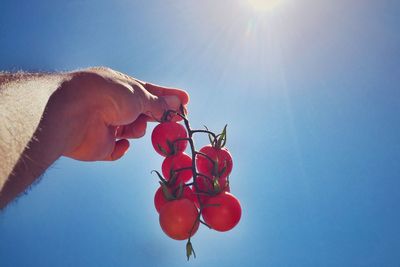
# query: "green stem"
[[206, 156], [193, 168], [204, 131]]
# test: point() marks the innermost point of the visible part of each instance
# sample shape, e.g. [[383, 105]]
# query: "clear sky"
[[309, 90]]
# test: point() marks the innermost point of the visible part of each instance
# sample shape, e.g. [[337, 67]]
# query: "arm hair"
[[23, 99]]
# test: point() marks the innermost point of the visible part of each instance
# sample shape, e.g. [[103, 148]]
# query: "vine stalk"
[[190, 131]]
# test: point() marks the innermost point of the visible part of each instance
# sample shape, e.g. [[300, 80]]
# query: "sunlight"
[[263, 5]]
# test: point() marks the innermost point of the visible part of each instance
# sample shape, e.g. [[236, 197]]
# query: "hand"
[[107, 107], [89, 116]]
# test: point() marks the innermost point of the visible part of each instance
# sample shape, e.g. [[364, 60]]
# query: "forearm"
[[26, 149]]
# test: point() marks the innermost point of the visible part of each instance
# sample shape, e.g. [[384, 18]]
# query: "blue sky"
[[310, 93]]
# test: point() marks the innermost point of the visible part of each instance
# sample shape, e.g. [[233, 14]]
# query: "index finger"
[[164, 91]]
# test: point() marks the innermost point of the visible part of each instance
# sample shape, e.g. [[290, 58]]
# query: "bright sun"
[[263, 5]]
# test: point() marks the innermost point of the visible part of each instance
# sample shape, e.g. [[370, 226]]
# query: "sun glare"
[[263, 5]]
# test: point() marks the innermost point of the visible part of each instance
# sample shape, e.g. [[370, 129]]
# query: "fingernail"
[[172, 101]]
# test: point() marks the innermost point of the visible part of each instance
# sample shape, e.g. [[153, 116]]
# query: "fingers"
[[136, 129], [120, 148], [157, 105], [162, 99], [166, 91]]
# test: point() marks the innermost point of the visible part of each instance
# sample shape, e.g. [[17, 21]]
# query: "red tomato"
[[178, 219], [164, 135], [221, 156], [160, 200], [222, 212], [175, 163]]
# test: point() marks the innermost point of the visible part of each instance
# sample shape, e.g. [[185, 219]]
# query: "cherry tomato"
[[160, 200], [164, 135], [177, 162], [222, 212], [221, 156], [178, 219]]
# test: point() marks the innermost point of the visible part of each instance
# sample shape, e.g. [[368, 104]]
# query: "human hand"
[[105, 108], [86, 115]]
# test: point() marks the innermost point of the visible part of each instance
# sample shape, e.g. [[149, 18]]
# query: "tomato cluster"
[[193, 188]]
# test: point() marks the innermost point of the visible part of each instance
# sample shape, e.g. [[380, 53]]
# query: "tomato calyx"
[[218, 141], [216, 158], [172, 148], [212, 186], [162, 179], [217, 170], [175, 194], [190, 250], [214, 171], [170, 190]]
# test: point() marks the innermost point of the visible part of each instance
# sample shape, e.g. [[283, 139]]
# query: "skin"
[[86, 115]]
